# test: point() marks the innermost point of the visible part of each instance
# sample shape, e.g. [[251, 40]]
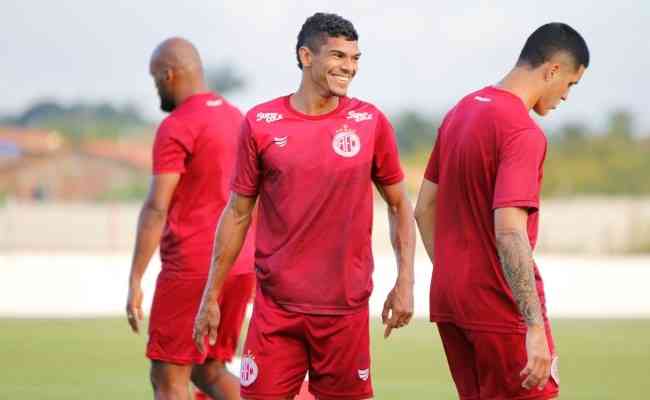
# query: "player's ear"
[[306, 56], [168, 75], [551, 70]]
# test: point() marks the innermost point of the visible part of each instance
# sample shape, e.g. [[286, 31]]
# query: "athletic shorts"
[[486, 365], [175, 304], [282, 346]]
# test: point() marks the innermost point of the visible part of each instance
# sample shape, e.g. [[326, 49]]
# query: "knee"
[[165, 387], [208, 373]]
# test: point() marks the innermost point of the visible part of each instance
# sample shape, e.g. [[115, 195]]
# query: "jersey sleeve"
[[386, 168], [247, 169], [172, 146], [519, 173]]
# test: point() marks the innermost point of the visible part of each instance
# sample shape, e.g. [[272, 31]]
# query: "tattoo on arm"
[[517, 263]]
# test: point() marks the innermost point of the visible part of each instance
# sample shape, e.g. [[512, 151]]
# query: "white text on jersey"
[[268, 117]]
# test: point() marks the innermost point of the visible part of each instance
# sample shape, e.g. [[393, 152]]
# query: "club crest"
[[346, 142]]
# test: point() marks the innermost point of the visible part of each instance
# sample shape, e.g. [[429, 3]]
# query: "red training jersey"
[[199, 141], [314, 176], [489, 154]]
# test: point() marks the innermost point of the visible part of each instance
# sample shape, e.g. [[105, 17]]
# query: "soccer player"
[[477, 213], [193, 160], [311, 158]]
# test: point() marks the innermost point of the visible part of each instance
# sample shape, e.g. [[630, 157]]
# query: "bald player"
[[193, 159]]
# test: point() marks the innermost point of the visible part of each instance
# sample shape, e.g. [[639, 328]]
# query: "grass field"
[[100, 359]]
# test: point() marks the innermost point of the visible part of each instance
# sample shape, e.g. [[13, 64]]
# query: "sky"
[[422, 55]]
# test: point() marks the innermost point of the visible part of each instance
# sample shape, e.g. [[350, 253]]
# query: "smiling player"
[[312, 158]]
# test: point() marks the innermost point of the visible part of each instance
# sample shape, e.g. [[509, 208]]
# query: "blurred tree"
[[224, 79], [621, 124], [80, 119], [415, 132]]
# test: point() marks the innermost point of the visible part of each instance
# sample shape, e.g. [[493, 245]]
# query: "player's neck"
[[521, 82], [309, 101], [191, 90]]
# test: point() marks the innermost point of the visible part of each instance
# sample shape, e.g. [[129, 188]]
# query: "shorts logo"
[[346, 142], [364, 374], [249, 370], [280, 141], [555, 370], [268, 117], [359, 116]]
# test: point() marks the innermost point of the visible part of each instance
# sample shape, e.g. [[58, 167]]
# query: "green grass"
[[101, 359]]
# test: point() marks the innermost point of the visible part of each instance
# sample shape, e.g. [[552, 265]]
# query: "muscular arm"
[[151, 222], [228, 241], [402, 231], [150, 227], [516, 258], [398, 307], [425, 215]]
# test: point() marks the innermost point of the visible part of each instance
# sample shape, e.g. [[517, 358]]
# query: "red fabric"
[[314, 178], [486, 365], [175, 304], [489, 154], [284, 345], [198, 140]]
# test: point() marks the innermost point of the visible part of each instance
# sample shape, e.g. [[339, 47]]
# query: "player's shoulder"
[[171, 123], [361, 110], [268, 112]]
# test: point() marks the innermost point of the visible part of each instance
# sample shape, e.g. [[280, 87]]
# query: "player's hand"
[[134, 307], [398, 308], [206, 323], [538, 367]]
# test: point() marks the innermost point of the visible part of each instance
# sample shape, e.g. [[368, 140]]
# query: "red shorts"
[[175, 304], [486, 365], [282, 346]]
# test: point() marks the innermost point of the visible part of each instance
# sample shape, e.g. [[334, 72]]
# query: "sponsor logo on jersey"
[[214, 103], [364, 374], [280, 141], [483, 99], [346, 142], [268, 117], [359, 116], [249, 370]]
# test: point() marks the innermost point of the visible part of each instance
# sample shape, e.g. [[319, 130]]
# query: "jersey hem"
[[481, 327]]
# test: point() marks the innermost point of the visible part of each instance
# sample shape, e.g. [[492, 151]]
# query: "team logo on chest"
[[249, 370], [346, 142]]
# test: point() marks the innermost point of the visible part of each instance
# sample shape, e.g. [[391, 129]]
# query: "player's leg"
[[339, 348], [461, 359], [500, 359], [170, 381], [170, 347], [275, 358], [212, 377]]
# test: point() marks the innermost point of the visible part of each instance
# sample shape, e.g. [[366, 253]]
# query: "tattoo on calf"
[[517, 263]]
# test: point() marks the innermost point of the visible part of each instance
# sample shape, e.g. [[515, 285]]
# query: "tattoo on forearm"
[[517, 263]]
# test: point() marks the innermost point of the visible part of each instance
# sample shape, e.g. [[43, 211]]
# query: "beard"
[[166, 104]]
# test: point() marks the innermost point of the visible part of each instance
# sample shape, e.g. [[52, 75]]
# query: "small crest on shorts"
[[346, 142], [555, 370], [249, 370], [364, 374]]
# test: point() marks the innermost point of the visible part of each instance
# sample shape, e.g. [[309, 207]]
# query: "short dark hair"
[[553, 38], [319, 27]]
